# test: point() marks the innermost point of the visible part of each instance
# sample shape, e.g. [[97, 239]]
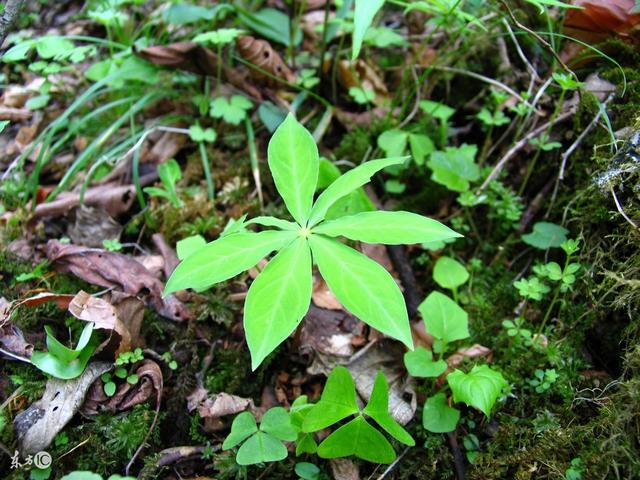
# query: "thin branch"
[[521, 144], [9, 16], [619, 207], [521, 54]]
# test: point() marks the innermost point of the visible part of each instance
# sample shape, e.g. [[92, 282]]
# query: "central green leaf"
[[278, 300], [363, 287], [338, 401], [480, 388], [294, 162]]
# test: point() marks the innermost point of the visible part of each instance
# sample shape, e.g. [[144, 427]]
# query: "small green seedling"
[[440, 112], [532, 288], [455, 167], [567, 81], [220, 36], [394, 144], [492, 119], [544, 143], [516, 331], [362, 96], [232, 110], [307, 78], [450, 274], [169, 173], [112, 244], [171, 363], [471, 445], [308, 471], [543, 379], [480, 388], [575, 471], [122, 373], [61, 361], [357, 437], [280, 296], [305, 443], [38, 273], [200, 135], [263, 444], [546, 235], [131, 357]]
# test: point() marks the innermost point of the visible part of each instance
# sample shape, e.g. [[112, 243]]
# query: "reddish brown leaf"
[[600, 19], [261, 54]]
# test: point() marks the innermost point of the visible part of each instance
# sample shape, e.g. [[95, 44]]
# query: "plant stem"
[[253, 158], [207, 170], [218, 70]]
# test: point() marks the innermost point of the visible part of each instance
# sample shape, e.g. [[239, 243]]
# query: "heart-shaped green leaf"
[[443, 318], [278, 300], [420, 363], [360, 439], [338, 401], [261, 447], [438, 416], [276, 422], [480, 388], [363, 287], [243, 426], [378, 409], [449, 273]]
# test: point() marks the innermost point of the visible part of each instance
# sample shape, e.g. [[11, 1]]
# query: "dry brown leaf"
[[15, 114], [113, 198], [127, 396], [344, 469], [115, 270], [329, 332], [36, 426], [322, 296], [475, 351], [13, 341], [90, 226], [197, 59], [261, 54], [221, 405], [600, 19], [362, 75]]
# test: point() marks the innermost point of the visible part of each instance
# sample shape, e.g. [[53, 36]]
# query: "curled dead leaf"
[[261, 54]]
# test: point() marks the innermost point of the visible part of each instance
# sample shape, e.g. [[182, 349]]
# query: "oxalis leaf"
[[294, 161], [225, 258], [480, 388], [338, 401], [278, 300], [363, 287], [438, 416]]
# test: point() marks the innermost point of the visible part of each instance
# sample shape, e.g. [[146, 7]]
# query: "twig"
[[400, 260], [619, 207], [521, 144], [458, 458], [14, 356], [393, 465], [9, 16], [485, 79], [573, 147], [521, 54]]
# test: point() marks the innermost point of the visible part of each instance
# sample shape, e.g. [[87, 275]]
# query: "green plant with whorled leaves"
[[280, 296]]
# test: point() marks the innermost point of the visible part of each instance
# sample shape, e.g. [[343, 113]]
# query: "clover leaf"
[[232, 110], [455, 167], [264, 443]]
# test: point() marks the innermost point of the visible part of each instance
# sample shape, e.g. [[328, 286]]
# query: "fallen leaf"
[[261, 54], [344, 469], [90, 226], [36, 426], [322, 296], [329, 332], [114, 199], [221, 405], [600, 19], [115, 270], [12, 340], [475, 351], [362, 75]]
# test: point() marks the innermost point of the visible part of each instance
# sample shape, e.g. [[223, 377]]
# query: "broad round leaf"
[[261, 447], [363, 287], [346, 184], [438, 416], [390, 228], [443, 318], [294, 162], [278, 300], [449, 273], [242, 427], [276, 422], [420, 363], [378, 409], [360, 439], [546, 235], [480, 388], [225, 258], [338, 401]]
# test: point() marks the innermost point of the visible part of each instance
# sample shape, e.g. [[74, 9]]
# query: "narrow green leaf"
[[480, 388], [363, 287], [261, 447], [449, 273], [306, 444], [274, 222], [420, 363], [443, 318], [243, 426], [338, 401], [276, 422], [360, 439], [277, 300], [55, 367], [294, 161], [390, 228], [438, 416], [225, 258], [378, 409], [365, 10], [347, 183]]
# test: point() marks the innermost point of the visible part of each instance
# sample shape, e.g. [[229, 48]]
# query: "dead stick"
[[8, 18]]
